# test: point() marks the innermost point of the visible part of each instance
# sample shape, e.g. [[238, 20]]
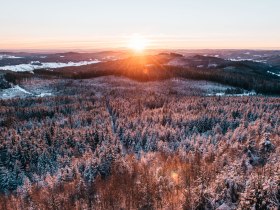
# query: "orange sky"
[[108, 24]]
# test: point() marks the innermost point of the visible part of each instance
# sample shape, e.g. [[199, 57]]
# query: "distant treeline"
[[248, 75]]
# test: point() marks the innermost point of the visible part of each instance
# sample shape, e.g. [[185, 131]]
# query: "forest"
[[249, 75], [136, 149]]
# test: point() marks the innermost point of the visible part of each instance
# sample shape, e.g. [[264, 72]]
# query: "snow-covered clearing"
[[273, 73], [51, 65], [20, 92]]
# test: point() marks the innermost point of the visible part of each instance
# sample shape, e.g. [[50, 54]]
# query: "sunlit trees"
[[133, 151]]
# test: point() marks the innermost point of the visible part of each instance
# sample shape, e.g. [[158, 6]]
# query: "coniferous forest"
[[129, 145]]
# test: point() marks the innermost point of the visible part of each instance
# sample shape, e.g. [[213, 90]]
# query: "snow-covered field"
[[4, 56], [247, 59], [273, 73], [20, 92], [31, 88], [246, 93], [51, 65]]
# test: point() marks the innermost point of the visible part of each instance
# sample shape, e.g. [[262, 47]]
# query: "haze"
[[108, 24]]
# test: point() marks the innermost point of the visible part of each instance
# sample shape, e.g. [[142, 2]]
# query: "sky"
[[166, 24]]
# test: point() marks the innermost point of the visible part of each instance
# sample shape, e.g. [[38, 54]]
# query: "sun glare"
[[137, 43]]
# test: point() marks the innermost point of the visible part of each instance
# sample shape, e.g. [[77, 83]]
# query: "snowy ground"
[[20, 92], [4, 56], [31, 88], [37, 65], [273, 73], [246, 93]]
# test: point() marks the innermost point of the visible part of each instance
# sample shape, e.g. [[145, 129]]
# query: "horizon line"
[[81, 50]]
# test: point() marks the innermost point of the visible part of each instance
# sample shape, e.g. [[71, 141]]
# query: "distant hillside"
[[250, 75]]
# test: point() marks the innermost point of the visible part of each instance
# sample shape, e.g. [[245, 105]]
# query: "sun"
[[137, 43]]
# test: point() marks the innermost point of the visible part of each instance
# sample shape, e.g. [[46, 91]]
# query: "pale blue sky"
[[96, 24]]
